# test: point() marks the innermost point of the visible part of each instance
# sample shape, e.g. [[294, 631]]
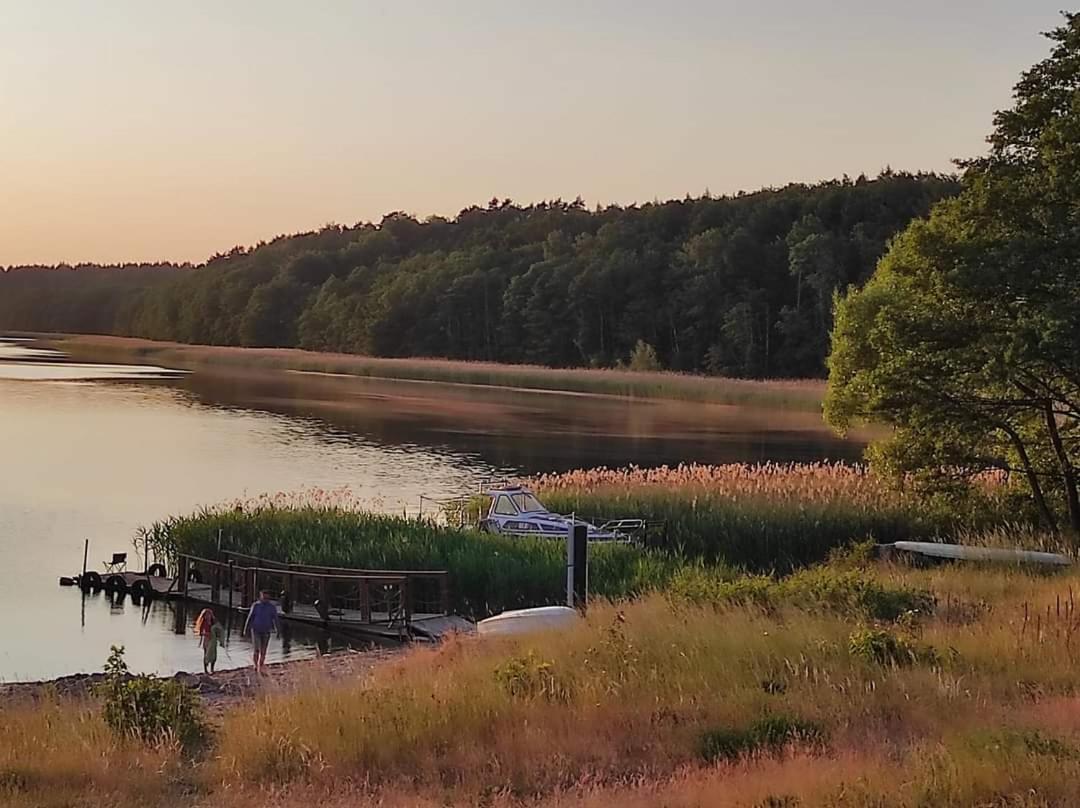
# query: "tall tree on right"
[[966, 340]]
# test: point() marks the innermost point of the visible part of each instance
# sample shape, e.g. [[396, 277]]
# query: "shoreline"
[[223, 689], [803, 395]]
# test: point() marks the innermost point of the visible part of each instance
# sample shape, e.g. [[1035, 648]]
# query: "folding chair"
[[118, 563]]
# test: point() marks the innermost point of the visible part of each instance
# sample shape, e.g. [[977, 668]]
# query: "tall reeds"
[[488, 573], [771, 516]]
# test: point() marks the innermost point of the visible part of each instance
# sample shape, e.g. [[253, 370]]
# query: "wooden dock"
[[398, 605]]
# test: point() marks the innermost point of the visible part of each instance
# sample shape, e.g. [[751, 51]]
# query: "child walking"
[[211, 635]]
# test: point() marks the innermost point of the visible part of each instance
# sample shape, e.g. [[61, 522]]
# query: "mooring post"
[[215, 593], [85, 554], [577, 566], [365, 600], [182, 574]]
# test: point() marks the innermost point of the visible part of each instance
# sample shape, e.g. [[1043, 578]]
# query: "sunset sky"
[[147, 130]]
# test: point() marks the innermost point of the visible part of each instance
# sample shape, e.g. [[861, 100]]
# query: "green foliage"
[[883, 647], [150, 709], [825, 588], [527, 677], [768, 734], [966, 340], [489, 573], [738, 285]]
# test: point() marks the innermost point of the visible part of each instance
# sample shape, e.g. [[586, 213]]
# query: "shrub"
[[147, 708], [768, 734], [644, 358], [883, 647], [529, 677]]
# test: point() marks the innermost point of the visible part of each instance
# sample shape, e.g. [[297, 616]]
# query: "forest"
[[739, 285]]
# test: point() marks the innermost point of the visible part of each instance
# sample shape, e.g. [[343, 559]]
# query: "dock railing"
[[396, 595]]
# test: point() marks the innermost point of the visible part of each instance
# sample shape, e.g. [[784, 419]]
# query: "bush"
[[644, 358], [768, 734], [149, 709], [529, 677], [886, 648]]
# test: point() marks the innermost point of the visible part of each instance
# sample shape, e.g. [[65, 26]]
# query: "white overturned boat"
[[526, 621], [961, 552]]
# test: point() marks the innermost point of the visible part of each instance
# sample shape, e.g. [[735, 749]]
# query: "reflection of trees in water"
[[520, 432]]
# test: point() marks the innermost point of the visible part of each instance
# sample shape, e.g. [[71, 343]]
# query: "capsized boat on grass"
[[961, 552]]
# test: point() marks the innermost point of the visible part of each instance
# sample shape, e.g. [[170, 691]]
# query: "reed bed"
[[773, 517], [802, 395], [488, 573]]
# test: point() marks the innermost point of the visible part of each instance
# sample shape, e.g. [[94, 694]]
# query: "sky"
[[138, 130]]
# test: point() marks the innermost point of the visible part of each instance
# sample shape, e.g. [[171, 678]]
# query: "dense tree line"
[[737, 285]]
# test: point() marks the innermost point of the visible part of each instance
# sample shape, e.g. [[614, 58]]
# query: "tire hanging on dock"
[[92, 580], [157, 570], [143, 590], [116, 583]]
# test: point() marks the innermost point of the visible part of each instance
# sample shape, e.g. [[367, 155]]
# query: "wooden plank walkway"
[[381, 624], [402, 624]]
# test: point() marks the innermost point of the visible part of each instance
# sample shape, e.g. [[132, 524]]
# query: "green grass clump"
[[850, 592], [768, 734], [884, 647]]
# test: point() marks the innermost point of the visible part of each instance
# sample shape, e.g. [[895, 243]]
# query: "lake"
[[91, 451]]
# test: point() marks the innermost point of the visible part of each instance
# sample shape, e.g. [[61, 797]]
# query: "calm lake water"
[[92, 451]]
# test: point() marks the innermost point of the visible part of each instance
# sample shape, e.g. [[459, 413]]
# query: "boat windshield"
[[527, 503]]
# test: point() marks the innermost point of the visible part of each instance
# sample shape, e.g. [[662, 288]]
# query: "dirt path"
[[225, 688]]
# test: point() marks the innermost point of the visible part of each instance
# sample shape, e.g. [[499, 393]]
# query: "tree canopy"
[[966, 340], [738, 285]]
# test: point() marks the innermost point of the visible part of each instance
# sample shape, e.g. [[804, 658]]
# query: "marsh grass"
[[803, 395], [488, 573], [773, 517]]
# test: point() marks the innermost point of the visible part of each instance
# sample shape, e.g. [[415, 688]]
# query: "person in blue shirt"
[[261, 621]]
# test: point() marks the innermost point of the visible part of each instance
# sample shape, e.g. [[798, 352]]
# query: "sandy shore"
[[224, 688]]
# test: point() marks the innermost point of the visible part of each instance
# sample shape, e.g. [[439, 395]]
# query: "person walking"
[[211, 636], [262, 620]]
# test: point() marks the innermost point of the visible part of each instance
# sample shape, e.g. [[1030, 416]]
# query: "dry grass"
[[804, 394], [779, 483], [773, 515], [613, 712]]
